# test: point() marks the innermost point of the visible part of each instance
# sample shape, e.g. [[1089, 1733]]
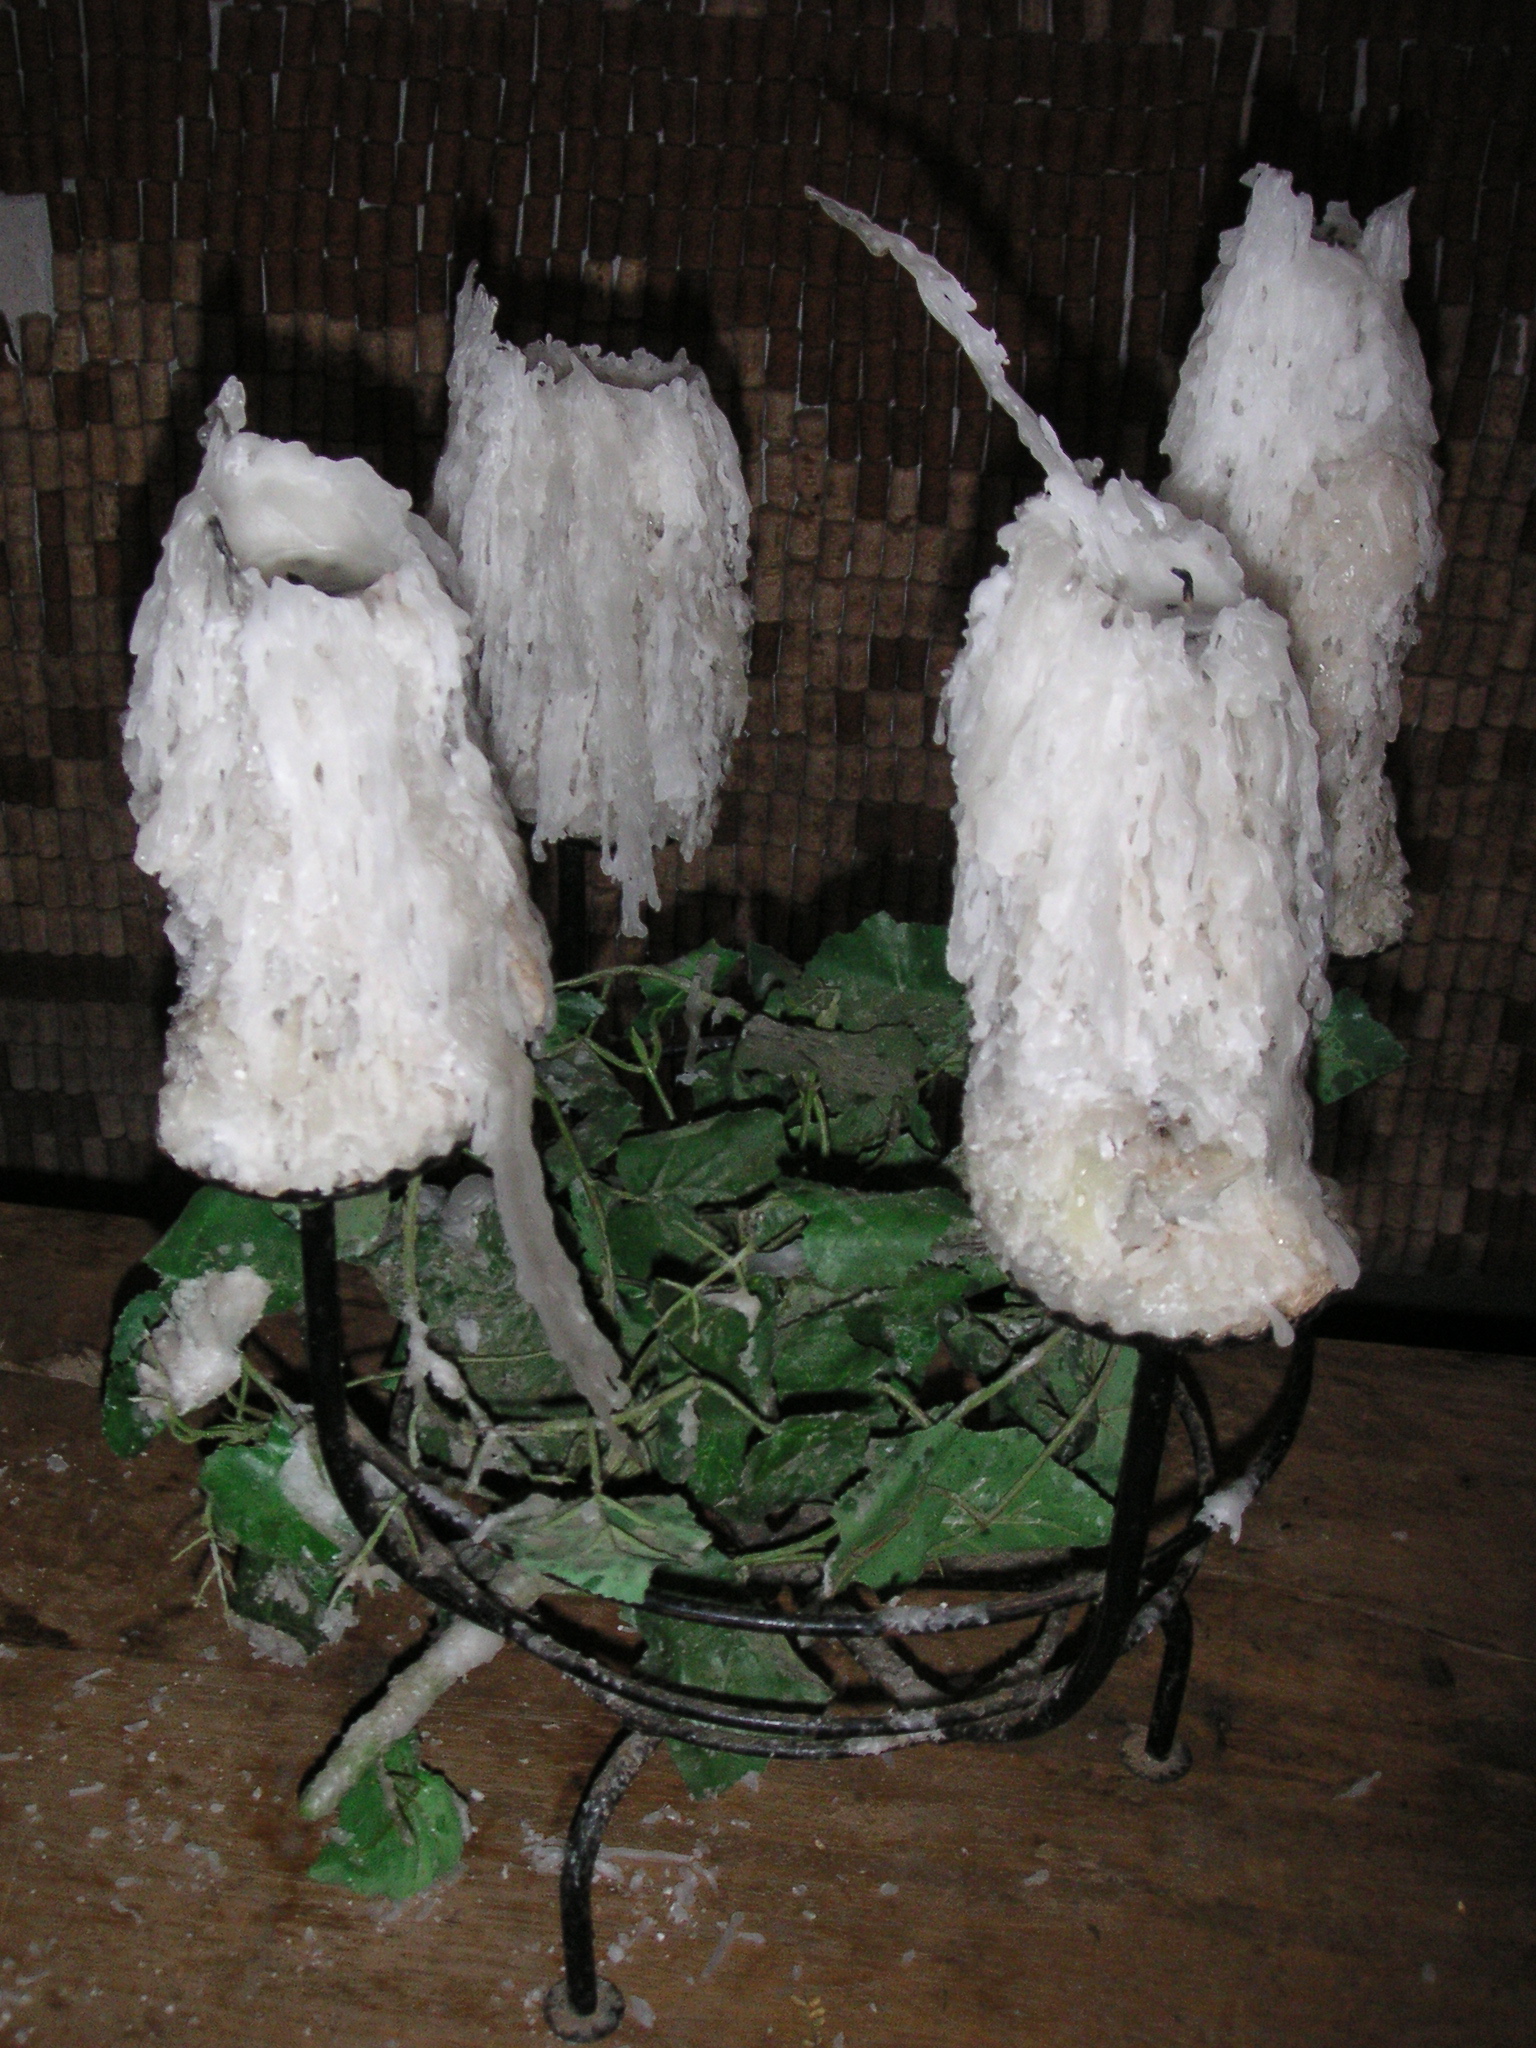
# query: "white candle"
[[1302, 428], [597, 507], [1138, 912]]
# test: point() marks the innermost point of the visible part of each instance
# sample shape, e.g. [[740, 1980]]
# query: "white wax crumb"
[[1036, 1877], [600, 518], [1225, 1508], [1302, 428], [194, 1355], [889, 1891], [640, 2010], [347, 890], [1360, 1787], [56, 1462]]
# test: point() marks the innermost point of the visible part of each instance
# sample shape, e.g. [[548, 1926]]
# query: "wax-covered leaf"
[[719, 1336], [295, 1596], [580, 1080], [719, 1159], [949, 1491], [807, 1457], [398, 1830], [700, 1442], [708, 968], [474, 1311], [125, 1422], [855, 1240], [242, 1482], [219, 1230], [1350, 1049]]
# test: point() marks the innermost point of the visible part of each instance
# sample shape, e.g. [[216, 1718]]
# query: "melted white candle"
[[1302, 428], [1138, 908], [347, 896], [360, 961], [597, 507]]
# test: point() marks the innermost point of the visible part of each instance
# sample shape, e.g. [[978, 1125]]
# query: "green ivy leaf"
[[847, 1066], [727, 1662], [883, 973], [910, 1321], [873, 1240], [660, 1227], [596, 1137], [219, 1230], [1350, 1049], [397, 1831], [953, 1492], [576, 1011], [706, 1773], [1047, 1397], [719, 1159], [820, 1354], [608, 1546], [806, 1457]]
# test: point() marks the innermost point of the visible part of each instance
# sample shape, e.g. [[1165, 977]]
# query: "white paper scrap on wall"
[[1302, 429], [597, 508], [1138, 918]]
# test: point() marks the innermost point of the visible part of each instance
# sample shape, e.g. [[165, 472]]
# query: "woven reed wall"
[[298, 202]]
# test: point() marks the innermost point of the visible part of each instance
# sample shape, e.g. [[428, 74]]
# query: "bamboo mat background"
[[293, 193]]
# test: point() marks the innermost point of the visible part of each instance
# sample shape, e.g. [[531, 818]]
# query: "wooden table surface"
[[1350, 1861]]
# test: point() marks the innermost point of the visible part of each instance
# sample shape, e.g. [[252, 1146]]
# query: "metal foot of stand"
[[584, 2006], [1155, 1752]]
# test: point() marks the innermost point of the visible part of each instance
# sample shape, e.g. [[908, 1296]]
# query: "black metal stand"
[[1137, 1587]]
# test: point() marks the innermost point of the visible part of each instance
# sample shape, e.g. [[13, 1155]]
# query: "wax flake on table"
[[1138, 912], [597, 508], [1302, 428]]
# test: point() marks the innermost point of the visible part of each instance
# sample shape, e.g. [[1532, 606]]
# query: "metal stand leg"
[[584, 2006], [1155, 1752]]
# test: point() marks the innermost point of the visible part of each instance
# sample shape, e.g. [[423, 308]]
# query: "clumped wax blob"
[[360, 963], [1138, 907], [347, 898], [597, 508], [1302, 429]]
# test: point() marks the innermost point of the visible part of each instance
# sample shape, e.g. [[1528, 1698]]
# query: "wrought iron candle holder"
[[1136, 1587]]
